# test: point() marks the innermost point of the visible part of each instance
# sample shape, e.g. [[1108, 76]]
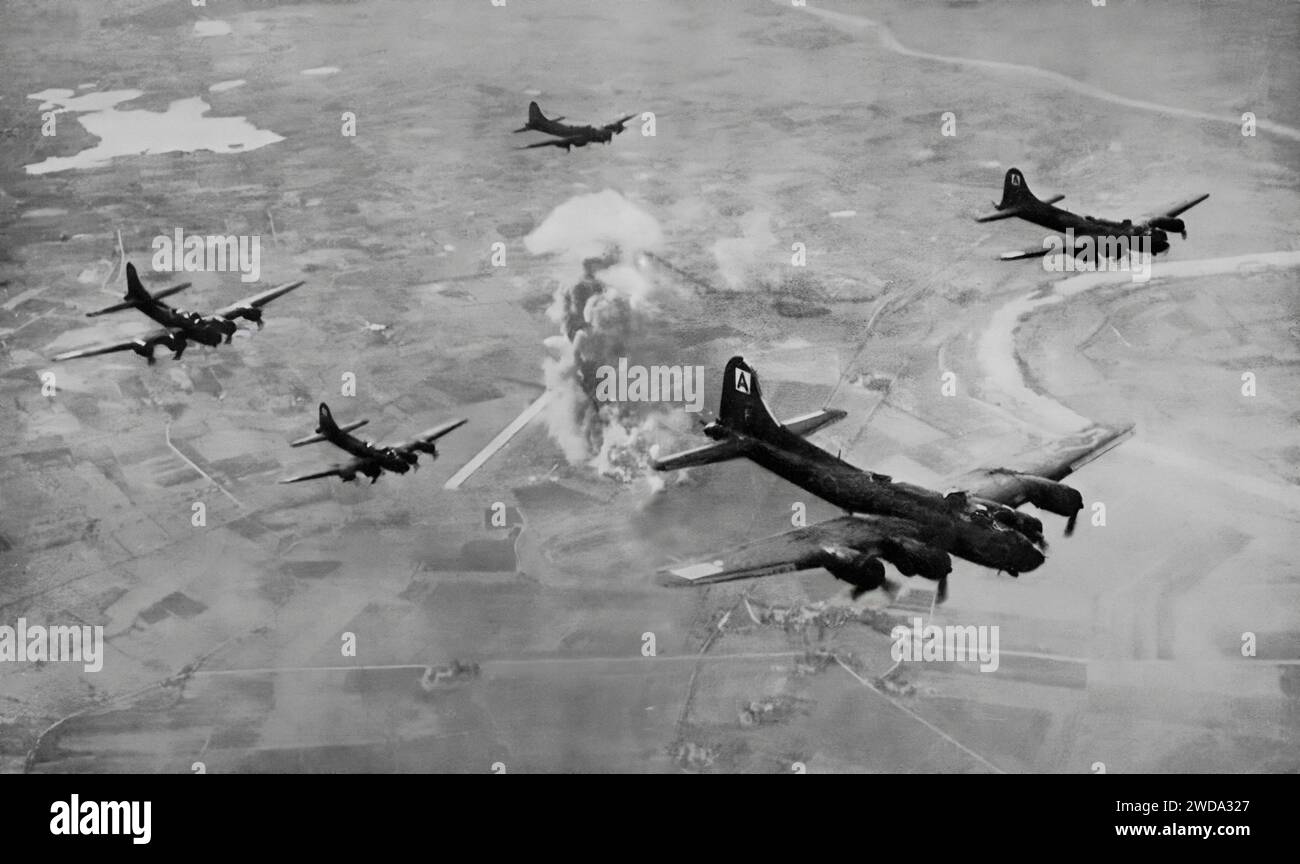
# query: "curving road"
[[891, 43], [1003, 381]]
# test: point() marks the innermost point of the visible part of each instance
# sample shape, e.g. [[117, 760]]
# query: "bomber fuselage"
[[1056, 219], [390, 459], [965, 527], [206, 330]]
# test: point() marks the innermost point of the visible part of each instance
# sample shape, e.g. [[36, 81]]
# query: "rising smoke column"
[[608, 306]]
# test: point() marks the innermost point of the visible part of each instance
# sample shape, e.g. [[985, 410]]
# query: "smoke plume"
[[611, 304]]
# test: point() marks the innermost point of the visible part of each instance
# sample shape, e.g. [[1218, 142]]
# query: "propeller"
[[1069, 525], [942, 593]]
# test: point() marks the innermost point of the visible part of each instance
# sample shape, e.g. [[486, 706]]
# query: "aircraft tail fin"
[[1015, 198], [743, 412], [535, 118], [327, 427], [134, 289], [1015, 191], [742, 408], [135, 296]]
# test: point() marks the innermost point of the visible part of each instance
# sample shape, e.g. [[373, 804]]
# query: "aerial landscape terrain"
[[798, 185]]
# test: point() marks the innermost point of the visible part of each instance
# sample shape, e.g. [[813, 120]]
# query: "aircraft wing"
[[570, 141], [257, 301], [348, 471], [617, 126], [1022, 255], [1175, 209], [428, 436], [800, 549], [125, 345], [1012, 484]]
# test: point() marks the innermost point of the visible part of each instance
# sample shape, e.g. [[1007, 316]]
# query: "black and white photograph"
[[649, 387]]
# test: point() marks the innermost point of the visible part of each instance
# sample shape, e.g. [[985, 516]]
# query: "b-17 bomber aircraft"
[[371, 459], [179, 327], [914, 528], [1106, 238], [568, 136]]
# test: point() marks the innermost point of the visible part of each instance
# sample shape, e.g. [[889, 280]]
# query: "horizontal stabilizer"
[[116, 307], [318, 437], [132, 304], [175, 289], [720, 451], [999, 214], [996, 215], [807, 424]]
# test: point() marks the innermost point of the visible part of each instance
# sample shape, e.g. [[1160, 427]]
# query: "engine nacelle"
[[860, 570], [1027, 525], [914, 558], [250, 313], [1052, 496], [1169, 223]]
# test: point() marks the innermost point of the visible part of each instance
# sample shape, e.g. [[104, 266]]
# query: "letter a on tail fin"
[[1015, 190], [742, 408], [743, 416], [1016, 198]]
